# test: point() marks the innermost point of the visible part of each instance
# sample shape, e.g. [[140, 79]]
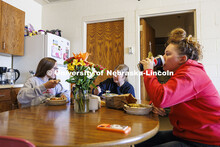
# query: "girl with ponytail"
[[191, 95], [42, 86]]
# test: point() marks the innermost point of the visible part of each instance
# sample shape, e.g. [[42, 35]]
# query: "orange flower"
[[82, 56]]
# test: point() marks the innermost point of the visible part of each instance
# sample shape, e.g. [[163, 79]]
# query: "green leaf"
[[71, 78], [80, 68], [93, 85], [65, 62]]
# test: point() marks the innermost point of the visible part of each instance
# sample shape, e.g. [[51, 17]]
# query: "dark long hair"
[[44, 65]]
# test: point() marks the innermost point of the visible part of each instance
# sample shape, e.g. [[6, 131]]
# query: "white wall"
[[70, 17], [33, 15]]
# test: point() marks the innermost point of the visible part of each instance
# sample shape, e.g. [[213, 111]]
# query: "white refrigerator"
[[38, 47]]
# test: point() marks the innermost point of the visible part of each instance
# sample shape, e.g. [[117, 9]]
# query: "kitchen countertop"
[[11, 86]]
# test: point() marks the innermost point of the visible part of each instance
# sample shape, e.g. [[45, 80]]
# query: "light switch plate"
[[130, 50]]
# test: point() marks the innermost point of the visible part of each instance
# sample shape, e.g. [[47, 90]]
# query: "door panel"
[[147, 35], [105, 42]]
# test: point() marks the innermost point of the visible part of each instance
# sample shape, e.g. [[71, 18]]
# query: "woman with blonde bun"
[[191, 95]]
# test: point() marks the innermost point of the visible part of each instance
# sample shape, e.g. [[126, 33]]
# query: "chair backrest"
[[6, 141]]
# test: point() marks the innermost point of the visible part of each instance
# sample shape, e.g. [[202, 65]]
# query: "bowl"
[[108, 95], [55, 101], [138, 109]]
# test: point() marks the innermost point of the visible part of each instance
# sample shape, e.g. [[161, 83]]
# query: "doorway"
[[154, 34]]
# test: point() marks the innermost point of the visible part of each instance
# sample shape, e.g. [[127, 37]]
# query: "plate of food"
[[109, 94], [138, 109], [55, 101]]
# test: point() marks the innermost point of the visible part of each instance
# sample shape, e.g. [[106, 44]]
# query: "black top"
[[109, 84]]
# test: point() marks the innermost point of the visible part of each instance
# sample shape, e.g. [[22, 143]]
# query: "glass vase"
[[81, 101]]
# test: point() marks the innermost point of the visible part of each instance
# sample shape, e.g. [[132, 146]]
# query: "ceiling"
[[44, 2]]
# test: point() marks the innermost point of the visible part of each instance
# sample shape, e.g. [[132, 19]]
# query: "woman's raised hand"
[[51, 83], [148, 63]]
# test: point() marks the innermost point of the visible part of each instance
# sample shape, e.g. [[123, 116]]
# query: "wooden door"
[[147, 35], [105, 42], [12, 30]]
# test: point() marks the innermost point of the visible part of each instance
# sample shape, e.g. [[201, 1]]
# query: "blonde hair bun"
[[186, 45], [177, 35], [189, 38]]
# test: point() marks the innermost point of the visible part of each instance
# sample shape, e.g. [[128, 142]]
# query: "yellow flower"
[[81, 62], [70, 67], [75, 62], [78, 64]]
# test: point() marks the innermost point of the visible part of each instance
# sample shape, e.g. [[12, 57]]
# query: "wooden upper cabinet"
[[12, 30]]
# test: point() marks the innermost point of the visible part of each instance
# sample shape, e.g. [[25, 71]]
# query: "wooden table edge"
[[127, 141], [120, 142]]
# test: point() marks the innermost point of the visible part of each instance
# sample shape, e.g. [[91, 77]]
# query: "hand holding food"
[[51, 84]]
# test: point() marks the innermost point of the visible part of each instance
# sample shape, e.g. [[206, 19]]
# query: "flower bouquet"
[[82, 76]]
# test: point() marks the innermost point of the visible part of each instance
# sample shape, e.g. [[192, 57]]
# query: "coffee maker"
[[3, 78], [12, 75]]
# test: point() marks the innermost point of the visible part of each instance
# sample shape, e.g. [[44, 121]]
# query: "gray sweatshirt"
[[34, 93]]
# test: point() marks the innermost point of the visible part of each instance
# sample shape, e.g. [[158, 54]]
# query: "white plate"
[[109, 95], [143, 110]]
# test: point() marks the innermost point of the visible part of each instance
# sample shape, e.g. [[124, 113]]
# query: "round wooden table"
[[61, 126]]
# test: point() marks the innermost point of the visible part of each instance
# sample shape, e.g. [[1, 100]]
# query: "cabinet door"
[[5, 100], [5, 94], [12, 30], [5, 106], [14, 93]]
